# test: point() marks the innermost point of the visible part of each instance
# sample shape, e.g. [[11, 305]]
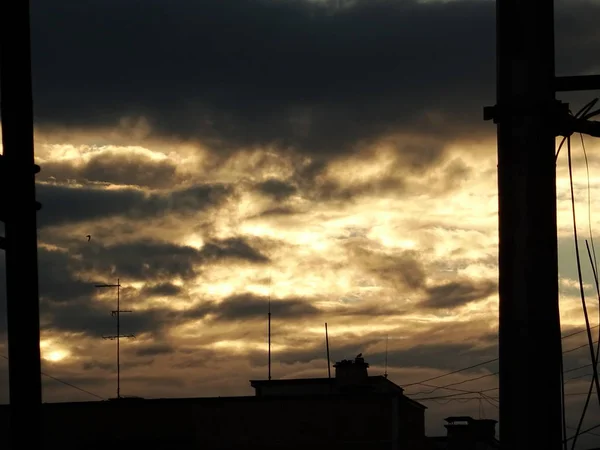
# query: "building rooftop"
[[351, 377]]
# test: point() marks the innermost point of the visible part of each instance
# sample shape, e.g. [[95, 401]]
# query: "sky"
[[221, 153]]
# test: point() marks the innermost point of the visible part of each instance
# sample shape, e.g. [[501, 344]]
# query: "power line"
[[453, 372], [579, 332], [595, 380], [489, 361], [456, 397], [66, 383], [457, 383], [447, 386], [582, 432], [458, 390]]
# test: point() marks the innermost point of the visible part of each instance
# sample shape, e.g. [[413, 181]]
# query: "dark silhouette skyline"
[[196, 151]]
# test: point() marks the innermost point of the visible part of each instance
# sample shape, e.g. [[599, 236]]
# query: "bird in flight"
[[89, 237]]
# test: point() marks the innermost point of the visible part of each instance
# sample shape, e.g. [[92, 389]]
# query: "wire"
[[490, 400], [577, 377], [582, 112], [458, 390], [577, 368], [563, 408], [448, 396], [418, 383], [582, 432], [453, 372], [591, 387], [594, 264], [579, 332], [577, 348], [447, 386], [589, 432], [595, 380], [66, 383]]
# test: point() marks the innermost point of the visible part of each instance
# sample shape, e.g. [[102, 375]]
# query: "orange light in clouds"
[[51, 352], [56, 355]]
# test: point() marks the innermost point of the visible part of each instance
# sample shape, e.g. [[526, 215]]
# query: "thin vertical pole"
[[118, 338], [22, 303], [117, 314], [529, 331], [385, 374], [269, 338], [327, 345]]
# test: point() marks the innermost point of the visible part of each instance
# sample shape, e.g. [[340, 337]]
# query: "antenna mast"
[[117, 337], [269, 329], [385, 374], [327, 345]]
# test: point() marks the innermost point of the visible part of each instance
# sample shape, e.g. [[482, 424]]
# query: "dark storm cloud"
[[145, 260], [403, 269], [239, 72], [281, 211], [235, 248], [458, 293], [123, 169], [255, 72], [243, 307], [248, 306], [154, 350], [63, 204], [277, 189], [94, 319], [161, 290], [157, 261], [57, 282], [198, 358]]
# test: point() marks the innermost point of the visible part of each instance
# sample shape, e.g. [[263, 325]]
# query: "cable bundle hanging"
[[594, 352]]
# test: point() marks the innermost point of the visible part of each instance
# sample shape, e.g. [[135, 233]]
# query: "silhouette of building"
[[466, 433], [351, 411], [406, 416], [351, 376]]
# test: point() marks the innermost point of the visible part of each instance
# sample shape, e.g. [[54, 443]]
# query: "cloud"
[[114, 168], [93, 318], [338, 152], [458, 293], [155, 349], [162, 290], [279, 211], [235, 248], [292, 76], [62, 204], [241, 307], [57, 282], [442, 356], [277, 189], [160, 262], [402, 268]]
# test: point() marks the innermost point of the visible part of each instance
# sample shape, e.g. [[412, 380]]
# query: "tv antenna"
[[327, 345], [385, 374], [269, 328], [117, 337]]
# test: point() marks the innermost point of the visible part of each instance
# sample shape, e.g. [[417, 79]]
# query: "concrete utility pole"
[[529, 118], [18, 210], [530, 338]]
